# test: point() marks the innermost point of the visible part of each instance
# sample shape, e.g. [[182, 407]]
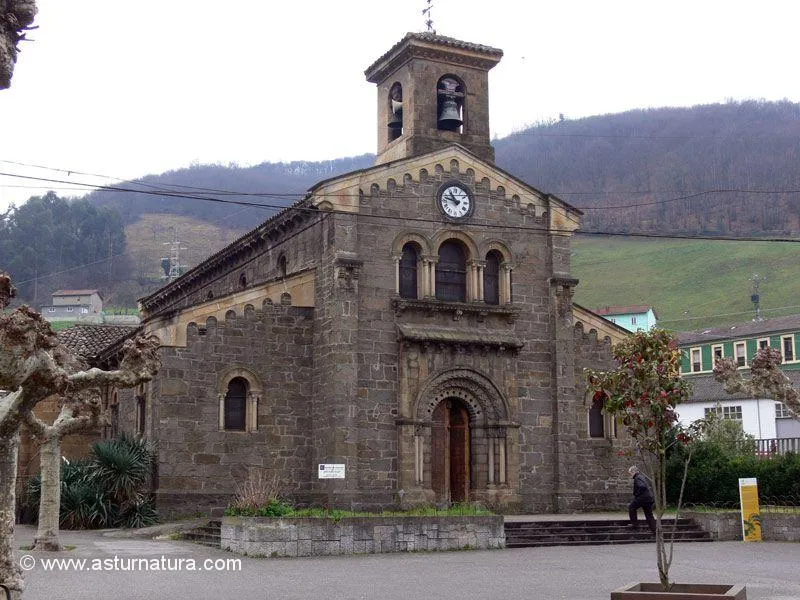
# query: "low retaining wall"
[[727, 525], [263, 536]]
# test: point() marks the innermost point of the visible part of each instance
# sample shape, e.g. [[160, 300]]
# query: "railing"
[[765, 448]]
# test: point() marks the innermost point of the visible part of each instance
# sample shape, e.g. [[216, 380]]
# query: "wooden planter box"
[[680, 591]]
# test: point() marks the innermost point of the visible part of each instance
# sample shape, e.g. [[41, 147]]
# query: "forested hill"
[[626, 170], [195, 191], [629, 171]]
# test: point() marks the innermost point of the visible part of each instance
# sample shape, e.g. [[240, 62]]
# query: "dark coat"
[[641, 489]]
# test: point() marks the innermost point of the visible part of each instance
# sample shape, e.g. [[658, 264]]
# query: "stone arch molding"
[[254, 381], [444, 235], [486, 403], [410, 236]]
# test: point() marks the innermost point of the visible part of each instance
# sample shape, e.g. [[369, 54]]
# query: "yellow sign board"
[[751, 516]]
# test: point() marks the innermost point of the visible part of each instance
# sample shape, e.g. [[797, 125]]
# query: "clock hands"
[[452, 198]]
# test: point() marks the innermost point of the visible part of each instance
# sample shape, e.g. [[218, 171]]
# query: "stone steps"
[[207, 535], [527, 534]]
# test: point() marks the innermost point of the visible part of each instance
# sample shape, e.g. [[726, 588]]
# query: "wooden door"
[[450, 451], [459, 453]]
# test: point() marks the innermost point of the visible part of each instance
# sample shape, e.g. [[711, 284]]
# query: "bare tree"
[[766, 378], [16, 17], [79, 413], [34, 366]]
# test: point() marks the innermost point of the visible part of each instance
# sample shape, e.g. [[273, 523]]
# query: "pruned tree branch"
[[766, 379], [16, 17]]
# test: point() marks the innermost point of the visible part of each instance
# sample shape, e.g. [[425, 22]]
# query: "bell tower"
[[433, 91]]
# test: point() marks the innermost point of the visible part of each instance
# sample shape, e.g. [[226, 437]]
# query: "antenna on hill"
[[428, 17], [755, 297], [172, 266]]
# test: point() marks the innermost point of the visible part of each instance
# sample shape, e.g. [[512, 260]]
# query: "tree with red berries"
[[642, 393]]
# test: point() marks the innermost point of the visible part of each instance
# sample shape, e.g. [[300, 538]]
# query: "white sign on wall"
[[332, 471]]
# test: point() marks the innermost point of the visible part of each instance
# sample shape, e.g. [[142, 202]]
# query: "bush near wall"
[[714, 473]]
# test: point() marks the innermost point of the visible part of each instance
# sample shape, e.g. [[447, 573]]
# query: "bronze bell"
[[396, 118], [449, 115]]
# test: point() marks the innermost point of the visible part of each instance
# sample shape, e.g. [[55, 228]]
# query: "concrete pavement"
[[771, 570]]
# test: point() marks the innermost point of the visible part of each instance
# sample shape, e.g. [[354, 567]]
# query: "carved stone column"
[[429, 276], [396, 273], [505, 283]]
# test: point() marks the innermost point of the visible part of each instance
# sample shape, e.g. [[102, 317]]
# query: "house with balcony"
[[763, 418], [632, 318]]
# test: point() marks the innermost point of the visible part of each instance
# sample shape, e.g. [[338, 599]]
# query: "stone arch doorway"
[[450, 451]]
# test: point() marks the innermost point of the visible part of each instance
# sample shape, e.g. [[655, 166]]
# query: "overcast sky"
[[125, 88]]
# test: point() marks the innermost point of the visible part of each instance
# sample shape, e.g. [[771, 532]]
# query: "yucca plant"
[[122, 468], [109, 489]]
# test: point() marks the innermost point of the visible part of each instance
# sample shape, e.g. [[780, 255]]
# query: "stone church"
[[412, 321]]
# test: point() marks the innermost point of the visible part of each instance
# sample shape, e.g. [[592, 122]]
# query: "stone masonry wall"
[[727, 525], [524, 378], [199, 464], [258, 536], [598, 474]]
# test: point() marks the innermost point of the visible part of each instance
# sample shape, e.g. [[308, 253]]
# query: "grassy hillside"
[[149, 240], [709, 279]]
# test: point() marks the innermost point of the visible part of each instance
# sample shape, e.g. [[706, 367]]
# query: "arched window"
[[242, 280], [596, 421], [236, 405], [282, 265], [395, 112], [451, 272], [408, 271], [491, 278], [450, 104]]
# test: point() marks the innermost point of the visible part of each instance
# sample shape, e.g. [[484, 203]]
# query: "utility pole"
[[755, 297], [174, 259]]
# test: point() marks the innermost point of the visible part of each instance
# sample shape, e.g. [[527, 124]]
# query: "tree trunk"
[[10, 573], [50, 503]]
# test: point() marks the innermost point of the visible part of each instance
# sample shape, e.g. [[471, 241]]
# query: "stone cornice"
[[430, 336], [457, 309], [433, 47], [259, 238]]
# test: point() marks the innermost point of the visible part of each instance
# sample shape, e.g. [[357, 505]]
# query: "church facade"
[[412, 321]]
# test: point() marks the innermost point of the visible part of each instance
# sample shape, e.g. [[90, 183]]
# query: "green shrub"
[[715, 470], [108, 489]]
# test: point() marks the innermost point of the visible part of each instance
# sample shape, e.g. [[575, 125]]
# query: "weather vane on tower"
[[428, 17]]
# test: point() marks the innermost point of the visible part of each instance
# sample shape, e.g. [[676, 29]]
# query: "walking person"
[[642, 498]]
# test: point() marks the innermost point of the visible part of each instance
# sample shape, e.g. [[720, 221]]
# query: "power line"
[[734, 314], [657, 138], [535, 230], [299, 195]]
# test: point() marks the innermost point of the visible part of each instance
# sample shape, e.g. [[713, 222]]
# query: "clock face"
[[455, 201]]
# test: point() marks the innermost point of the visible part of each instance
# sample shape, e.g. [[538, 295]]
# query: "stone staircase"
[[580, 532], [206, 535]]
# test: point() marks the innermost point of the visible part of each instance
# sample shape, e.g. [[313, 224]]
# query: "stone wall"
[[198, 459], [598, 473], [259, 536], [727, 525]]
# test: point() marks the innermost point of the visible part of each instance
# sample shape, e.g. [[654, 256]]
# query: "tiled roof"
[[88, 341], [740, 330], [636, 309], [705, 389]]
